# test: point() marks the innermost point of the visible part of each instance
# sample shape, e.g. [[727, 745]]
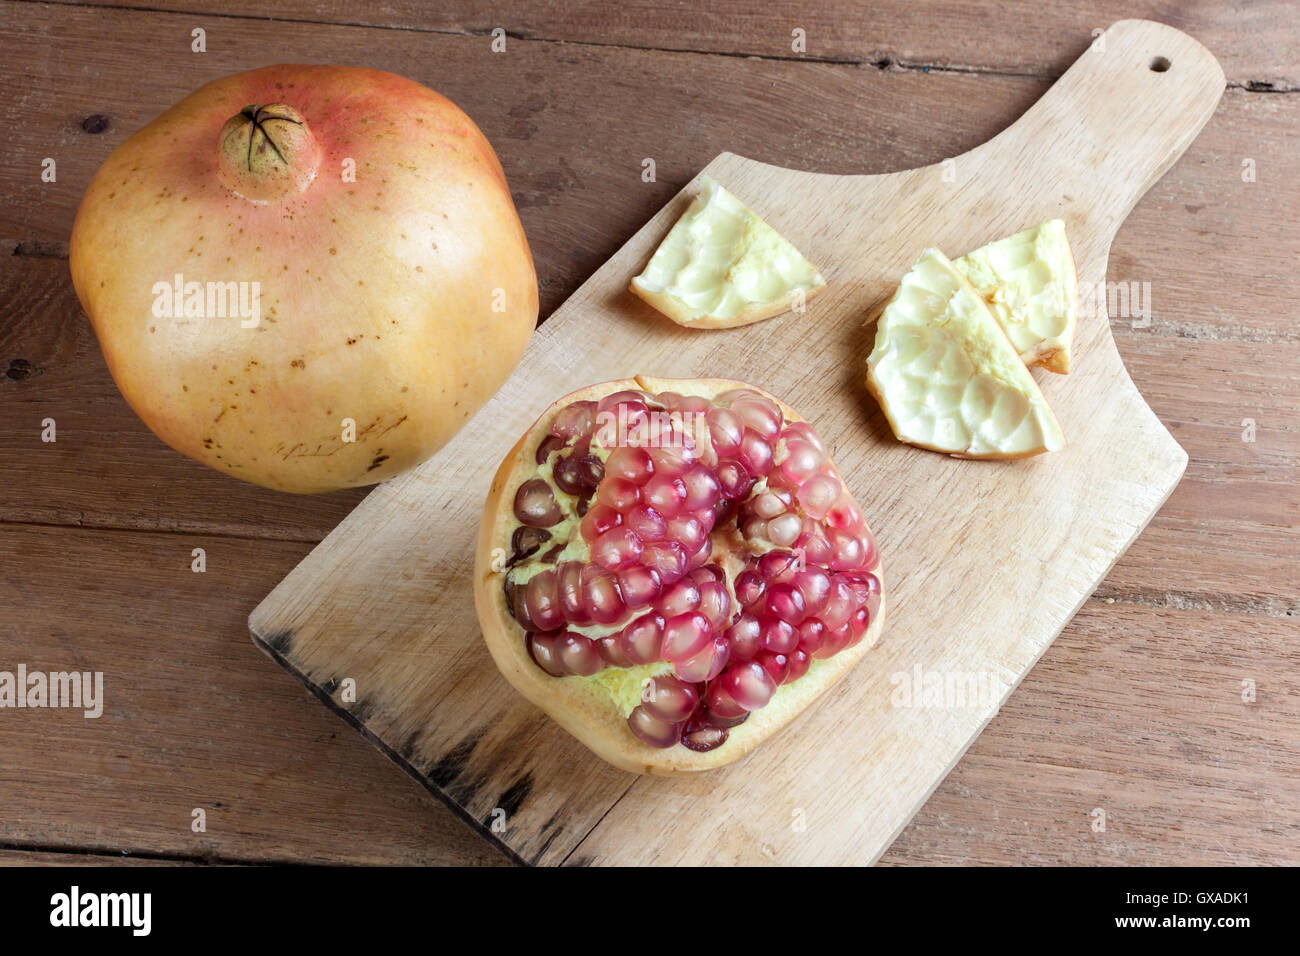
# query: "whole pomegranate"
[[308, 277], [674, 569]]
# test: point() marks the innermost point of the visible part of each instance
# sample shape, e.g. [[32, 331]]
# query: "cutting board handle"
[[1104, 132]]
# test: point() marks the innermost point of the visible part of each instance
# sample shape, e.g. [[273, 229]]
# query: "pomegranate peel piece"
[[721, 266], [732, 641]]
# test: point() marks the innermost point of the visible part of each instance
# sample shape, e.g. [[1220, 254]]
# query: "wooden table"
[[1137, 709]]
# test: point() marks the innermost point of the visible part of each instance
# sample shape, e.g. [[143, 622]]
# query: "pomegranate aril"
[[535, 504], [704, 665], [652, 730], [578, 475], [858, 625], [748, 683], [804, 432], [599, 520], [639, 586], [631, 464], [574, 421], [836, 640], [734, 479], [616, 549], [710, 572], [700, 557], [755, 453], [702, 738], [840, 605], [572, 603], [649, 524], [600, 595], [778, 636], [818, 494], [665, 493], [816, 546], [779, 567], [799, 664], [618, 493], [725, 431], [750, 588], [669, 699], [688, 531], [784, 531], [812, 634], [626, 396], [527, 541], [666, 557], [845, 515], [776, 665], [815, 586], [541, 648], [610, 648], [801, 462], [685, 635], [642, 640], [720, 702], [704, 716], [543, 601], [759, 415], [549, 444], [702, 488], [715, 603], [682, 598], [848, 550], [744, 637], [786, 603], [578, 654]]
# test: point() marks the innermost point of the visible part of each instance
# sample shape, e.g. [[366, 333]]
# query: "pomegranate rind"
[[758, 254], [584, 706]]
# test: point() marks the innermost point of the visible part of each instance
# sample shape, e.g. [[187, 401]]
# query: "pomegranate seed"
[[649, 524], [610, 648], [799, 664], [836, 641], [574, 421], [802, 461], [700, 557], [578, 475], [666, 557], [652, 730], [750, 588], [527, 541], [549, 444], [578, 654], [600, 595], [848, 550], [541, 648], [804, 433], [616, 549], [572, 604], [665, 493], [720, 702], [786, 603], [682, 598], [818, 494], [858, 625], [744, 637], [618, 493], [815, 586], [535, 504], [685, 635], [715, 603], [702, 488], [840, 605], [734, 479], [639, 586], [706, 664], [669, 699], [631, 464], [759, 415], [516, 602], [688, 531], [725, 431], [599, 520], [784, 531], [748, 683], [755, 453], [779, 567], [543, 601], [702, 738], [812, 634], [776, 665], [778, 636], [642, 640]]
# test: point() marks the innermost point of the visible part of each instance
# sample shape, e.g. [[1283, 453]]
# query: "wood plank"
[[1139, 712], [296, 786], [580, 193], [193, 716], [1255, 42]]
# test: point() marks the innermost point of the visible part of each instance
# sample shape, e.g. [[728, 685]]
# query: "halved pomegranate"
[[673, 569]]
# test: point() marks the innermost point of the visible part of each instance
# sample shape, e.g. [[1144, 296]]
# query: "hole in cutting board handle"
[[1160, 65]]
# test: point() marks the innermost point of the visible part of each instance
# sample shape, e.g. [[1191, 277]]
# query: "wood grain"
[[378, 599], [1226, 539], [1256, 42]]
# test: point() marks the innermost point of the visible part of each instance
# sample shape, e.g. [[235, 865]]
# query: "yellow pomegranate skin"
[[369, 219]]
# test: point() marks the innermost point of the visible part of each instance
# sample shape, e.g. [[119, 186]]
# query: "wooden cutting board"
[[986, 562]]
